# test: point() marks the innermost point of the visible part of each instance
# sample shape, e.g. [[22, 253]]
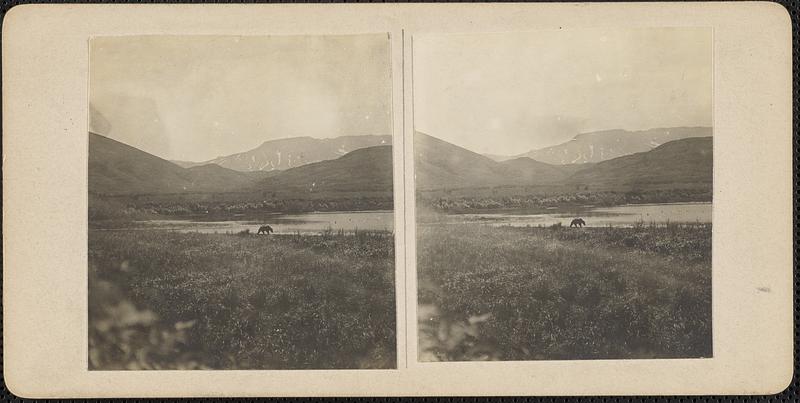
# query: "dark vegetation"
[[502, 293], [163, 300], [111, 212], [516, 198]]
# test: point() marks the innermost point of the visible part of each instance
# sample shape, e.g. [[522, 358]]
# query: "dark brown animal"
[[265, 229], [578, 222]]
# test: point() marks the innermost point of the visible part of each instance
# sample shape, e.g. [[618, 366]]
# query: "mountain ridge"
[[364, 169], [441, 164], [291, 152], [608, 144], [682, 162], [116, 168]]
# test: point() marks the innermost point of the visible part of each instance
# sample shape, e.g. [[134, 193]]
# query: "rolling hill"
[[679, 163], [365, 169], [292, 152], [609, 144], [116, 168], [439, 164], [529, 171], [217, 178]]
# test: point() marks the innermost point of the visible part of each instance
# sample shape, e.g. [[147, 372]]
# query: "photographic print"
[[564, 194], [240, 203], [397, 200]]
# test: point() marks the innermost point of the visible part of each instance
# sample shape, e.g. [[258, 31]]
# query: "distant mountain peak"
[[291, 152], [116, 168], [364, 169], [608, 144], [681, 163]]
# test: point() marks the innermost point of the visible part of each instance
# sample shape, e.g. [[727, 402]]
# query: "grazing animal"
[[265, 229], [578, 222]]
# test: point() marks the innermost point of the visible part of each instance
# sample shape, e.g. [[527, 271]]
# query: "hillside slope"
[[680, 162], [292, 152], [610, 144], [528, 171], [116, 168], [440, 164], [366, 169]]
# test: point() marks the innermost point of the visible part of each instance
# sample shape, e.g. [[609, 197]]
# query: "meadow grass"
[[564, 293], [167, 300]]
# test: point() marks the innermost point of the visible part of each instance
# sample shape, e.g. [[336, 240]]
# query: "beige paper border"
[[44, 195]]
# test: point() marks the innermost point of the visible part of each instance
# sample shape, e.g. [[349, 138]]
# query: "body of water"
[[311, 223], [306, 223], [627, 215]]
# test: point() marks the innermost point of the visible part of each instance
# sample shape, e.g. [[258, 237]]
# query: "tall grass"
[[561, 293], [253, 302], [522, 198]]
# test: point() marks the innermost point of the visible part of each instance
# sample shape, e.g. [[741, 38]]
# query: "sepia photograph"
[[240, 205], [375, 200], [563, 186]]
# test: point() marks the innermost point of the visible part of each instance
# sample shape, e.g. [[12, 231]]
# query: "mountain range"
[[292, 152], [116, 168], [684, 162], [439, 164], [679, 162], [365, 169], [608, 144]]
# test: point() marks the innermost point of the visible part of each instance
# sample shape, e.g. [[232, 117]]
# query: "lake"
[[306, 223], [626, 215], [348, 221]]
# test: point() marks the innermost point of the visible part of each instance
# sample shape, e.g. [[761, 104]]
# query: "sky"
[[508, 93], [196, 98]]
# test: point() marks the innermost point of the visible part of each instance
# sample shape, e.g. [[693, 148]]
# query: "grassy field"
[[503, 293], [164, 300]]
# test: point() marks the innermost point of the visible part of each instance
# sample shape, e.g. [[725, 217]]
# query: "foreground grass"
[[558, 293], [163, 300]]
